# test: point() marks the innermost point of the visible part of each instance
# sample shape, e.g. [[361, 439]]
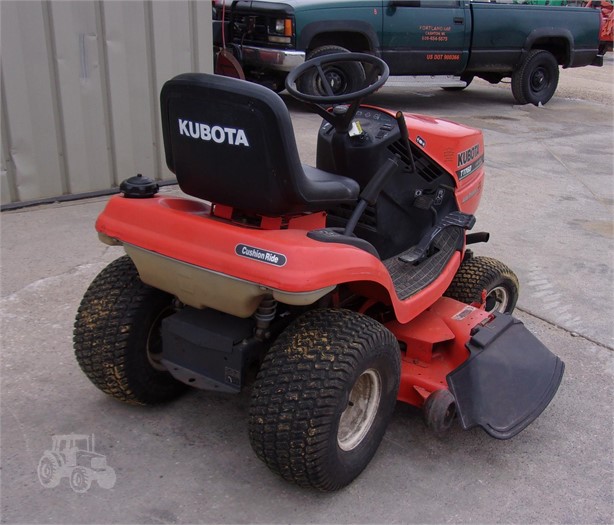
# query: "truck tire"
[[477, 274], [344, 78], [323, 398], [536, 78], [117, 337]]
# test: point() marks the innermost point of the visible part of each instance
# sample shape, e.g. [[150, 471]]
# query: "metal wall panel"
[[130, 90], [82, 96], [172, 51], [80, 82], [8, 192], [31, 108], [181, 44]]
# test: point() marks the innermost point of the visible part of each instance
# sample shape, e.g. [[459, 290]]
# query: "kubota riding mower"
[[343, 287]]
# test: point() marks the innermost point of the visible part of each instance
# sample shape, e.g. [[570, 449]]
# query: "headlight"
[[280, 31], [280, 25]]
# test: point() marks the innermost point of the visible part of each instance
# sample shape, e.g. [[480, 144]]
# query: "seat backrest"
[[231, 142]]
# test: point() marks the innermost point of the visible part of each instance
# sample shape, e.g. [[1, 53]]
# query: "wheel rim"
[[497, 300], [336, 80], [357, 418], [539, 80]]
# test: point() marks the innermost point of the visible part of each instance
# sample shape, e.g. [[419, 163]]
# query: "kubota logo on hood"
[[469, 161], [218, 134], [465, 157]]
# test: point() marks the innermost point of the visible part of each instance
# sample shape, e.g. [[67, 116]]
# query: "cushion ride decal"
[[257, 254]]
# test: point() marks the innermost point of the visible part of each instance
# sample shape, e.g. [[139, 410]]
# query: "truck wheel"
[[343, 78], [535, 80], [49, 471], [80, 479], [117, 336], [323, 398], [484, 273]]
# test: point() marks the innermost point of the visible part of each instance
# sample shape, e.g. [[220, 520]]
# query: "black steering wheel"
[[378, 68]]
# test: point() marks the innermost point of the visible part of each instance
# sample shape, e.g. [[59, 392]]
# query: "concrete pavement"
[[549, 205]]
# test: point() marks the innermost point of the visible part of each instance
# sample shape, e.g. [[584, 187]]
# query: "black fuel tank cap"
[[139, 187]]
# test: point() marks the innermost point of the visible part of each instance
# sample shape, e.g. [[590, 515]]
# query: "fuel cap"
[[139, 187]]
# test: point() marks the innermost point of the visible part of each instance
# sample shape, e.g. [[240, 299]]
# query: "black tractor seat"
[[231, 142]]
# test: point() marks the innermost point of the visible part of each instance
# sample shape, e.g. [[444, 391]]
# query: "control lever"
[[405, 138], [371, 192]]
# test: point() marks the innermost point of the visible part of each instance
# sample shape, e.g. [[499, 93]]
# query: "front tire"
[[80, 479], [117, 336], [323, 398], [536, 79], [343, 78], [477, 274]]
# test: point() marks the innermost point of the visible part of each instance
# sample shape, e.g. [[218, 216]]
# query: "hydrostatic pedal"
[[418, 252]]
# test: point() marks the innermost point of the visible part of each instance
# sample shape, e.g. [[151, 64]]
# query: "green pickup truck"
[[446, 42]]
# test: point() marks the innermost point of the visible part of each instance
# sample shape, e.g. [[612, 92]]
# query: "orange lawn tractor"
[[342, 287]]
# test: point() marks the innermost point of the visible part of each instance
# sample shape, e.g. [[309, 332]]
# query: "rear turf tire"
[[323, 398], [117, 337], [477, 274]]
